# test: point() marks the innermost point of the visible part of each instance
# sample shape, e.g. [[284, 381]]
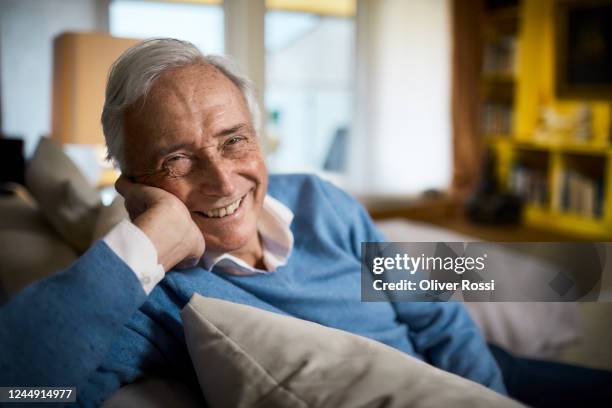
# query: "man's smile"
[[223, 212]]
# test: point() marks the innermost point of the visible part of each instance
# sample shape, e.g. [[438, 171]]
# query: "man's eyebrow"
[[172, 148], [233, 129]]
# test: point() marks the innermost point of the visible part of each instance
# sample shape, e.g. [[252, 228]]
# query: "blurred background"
[[493, 111], [451, 120]]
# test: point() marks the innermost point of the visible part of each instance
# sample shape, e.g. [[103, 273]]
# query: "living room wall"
[[27, 29]]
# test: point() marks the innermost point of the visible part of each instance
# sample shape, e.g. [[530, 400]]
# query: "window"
[[403, 134], [201, 24], [309, 90]]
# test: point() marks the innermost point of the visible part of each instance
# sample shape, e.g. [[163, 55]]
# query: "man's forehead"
[[189, 105], [198, 92], [192, 88], [204, 72]]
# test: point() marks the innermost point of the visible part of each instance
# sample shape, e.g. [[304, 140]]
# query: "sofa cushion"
[[29, 248], [154, 392], [66, 200], [247, 357], [532, 329]]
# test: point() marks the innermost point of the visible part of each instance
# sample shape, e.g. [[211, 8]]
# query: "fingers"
[[122, 185], [167, 222], [135, 201]]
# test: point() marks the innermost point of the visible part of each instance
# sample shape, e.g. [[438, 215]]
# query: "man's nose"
[[217, 177]]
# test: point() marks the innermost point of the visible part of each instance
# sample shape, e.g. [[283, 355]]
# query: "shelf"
[[502, 14], [564, 147], [498, 90], [498, 138], [567, 177], [567, 222], [501, 22], [502, 78]]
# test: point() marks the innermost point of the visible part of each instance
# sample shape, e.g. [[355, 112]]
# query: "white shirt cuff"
[[137, 251]]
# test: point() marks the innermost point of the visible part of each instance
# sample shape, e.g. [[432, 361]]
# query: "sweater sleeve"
[[444, 334], [441, 332], [58, 330], [150, 344]]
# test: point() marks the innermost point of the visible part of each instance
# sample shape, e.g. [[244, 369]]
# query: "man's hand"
[[166, 221]]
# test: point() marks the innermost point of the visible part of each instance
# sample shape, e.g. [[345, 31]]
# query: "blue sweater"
[[92, 326]]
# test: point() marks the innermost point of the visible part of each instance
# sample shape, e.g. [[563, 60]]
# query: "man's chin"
[[222, 243]]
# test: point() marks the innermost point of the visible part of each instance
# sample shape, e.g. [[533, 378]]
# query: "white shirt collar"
[[276, 238]]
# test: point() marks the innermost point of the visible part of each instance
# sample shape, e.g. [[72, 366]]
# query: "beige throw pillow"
[[247, 357], [65, 197]]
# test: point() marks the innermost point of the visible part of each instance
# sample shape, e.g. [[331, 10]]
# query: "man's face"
[[194, 138]]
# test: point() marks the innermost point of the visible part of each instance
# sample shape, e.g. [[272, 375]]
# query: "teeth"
[[222, 212]]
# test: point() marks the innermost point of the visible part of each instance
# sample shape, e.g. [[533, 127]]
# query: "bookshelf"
[[500, 29], [565, 180]]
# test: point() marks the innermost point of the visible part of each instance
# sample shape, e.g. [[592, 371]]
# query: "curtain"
[[465, 98]]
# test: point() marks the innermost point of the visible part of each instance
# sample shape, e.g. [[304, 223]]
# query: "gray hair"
[[134, 73]]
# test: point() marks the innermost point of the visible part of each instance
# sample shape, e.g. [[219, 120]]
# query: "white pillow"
[[247, 357]]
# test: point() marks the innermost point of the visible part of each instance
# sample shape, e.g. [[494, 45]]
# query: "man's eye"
[[178, 166], [175, 159], [234, 140]]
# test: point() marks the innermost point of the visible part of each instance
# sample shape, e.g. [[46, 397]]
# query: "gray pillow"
[[66, 199], [247, 357]]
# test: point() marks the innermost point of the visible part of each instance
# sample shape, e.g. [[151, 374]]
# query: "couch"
[[47, 225]]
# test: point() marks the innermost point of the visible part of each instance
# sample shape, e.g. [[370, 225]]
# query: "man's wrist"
[[136, 249], [158, 239]]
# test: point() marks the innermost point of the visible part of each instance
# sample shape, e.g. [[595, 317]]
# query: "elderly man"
[[183, 129]]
